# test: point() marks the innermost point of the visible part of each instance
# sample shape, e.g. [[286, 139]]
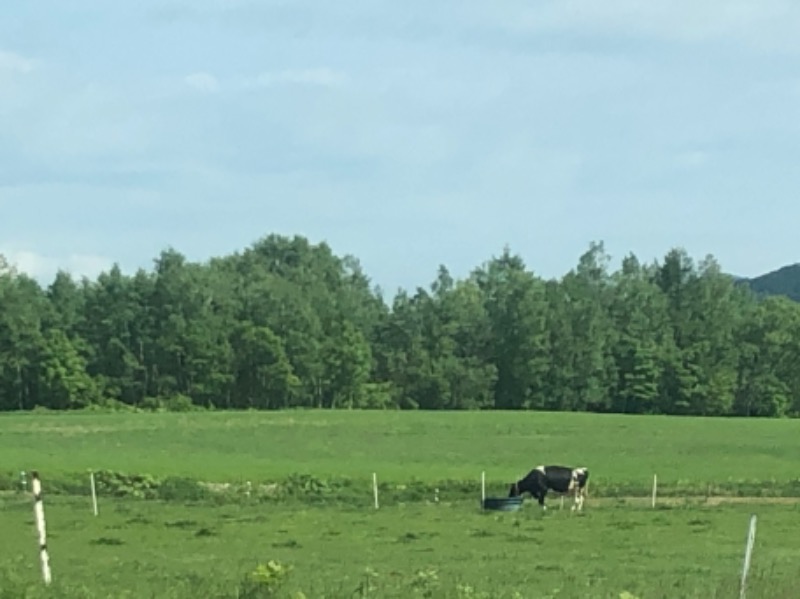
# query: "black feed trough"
[[502, 504]]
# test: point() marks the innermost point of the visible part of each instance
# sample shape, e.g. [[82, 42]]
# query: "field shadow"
[[257, 518], [549, 568], [410, 537], [699, 525], [108, 541], [183, 524], [481, 534], [206, 532], [138, 519], [522, 538]]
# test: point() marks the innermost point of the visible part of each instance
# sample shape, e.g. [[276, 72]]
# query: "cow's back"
[[558, 478]]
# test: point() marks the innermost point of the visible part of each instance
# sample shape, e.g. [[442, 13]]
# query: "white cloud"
[[322, 77], [9, 61], [43, 268], [204, 82]]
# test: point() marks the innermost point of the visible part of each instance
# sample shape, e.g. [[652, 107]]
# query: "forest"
[[286, 323]]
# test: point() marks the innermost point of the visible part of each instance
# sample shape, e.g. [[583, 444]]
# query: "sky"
[[408, 134]]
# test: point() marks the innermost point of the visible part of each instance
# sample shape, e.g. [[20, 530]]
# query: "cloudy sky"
[[410, 134]]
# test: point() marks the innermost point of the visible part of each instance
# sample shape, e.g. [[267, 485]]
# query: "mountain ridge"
[[781, 281]]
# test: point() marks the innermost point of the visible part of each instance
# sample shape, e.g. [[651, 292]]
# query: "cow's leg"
[[575, 490], [578, 499], [542, 495]]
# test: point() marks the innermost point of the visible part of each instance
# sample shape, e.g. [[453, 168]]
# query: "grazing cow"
[[560, 479]]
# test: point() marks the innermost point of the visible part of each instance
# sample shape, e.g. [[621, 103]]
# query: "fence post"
[[94, 492], [38, 512], [655, 489], [483, 489], [748, 553], [375, 488]]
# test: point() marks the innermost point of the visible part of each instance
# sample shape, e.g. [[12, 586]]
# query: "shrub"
[[175, 488], [179, 403], [118, 484], [265, 581]]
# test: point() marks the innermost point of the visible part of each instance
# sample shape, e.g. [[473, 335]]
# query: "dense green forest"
[[286, 323]]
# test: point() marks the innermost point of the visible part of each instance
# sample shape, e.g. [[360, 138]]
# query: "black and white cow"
[[559, 479]]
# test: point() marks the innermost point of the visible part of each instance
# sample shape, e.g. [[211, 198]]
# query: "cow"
[[560, 479]]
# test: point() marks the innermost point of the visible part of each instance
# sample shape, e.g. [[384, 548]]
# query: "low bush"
[[343, 491]]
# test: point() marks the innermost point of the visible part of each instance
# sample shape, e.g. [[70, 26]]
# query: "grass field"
[[410, 546], [429, 446], [153, 549]]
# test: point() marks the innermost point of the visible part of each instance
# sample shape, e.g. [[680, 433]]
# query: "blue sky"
[[409, 134]]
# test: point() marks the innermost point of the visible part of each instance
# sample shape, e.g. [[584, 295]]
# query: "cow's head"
[[520, 487], [514, 490]]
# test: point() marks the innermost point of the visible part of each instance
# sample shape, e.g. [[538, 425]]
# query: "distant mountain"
[[784, 281]]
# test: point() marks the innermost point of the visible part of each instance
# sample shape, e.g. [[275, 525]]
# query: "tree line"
[[287, 323]]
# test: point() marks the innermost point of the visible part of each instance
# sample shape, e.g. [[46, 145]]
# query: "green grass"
[[151, 549], [322, 525], [622, 452]]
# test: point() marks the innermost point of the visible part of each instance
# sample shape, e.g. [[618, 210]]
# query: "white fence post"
[[375, 488], [483, 489], [38, 512], [655, 489], [94, 492], [748, 552]]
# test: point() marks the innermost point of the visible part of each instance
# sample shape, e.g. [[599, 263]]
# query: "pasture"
[[337, 544]]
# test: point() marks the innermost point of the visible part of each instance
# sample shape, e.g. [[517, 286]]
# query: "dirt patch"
[[772, 500], [710, 501]]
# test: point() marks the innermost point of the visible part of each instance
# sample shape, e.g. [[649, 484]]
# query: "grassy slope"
[[400, 445]]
